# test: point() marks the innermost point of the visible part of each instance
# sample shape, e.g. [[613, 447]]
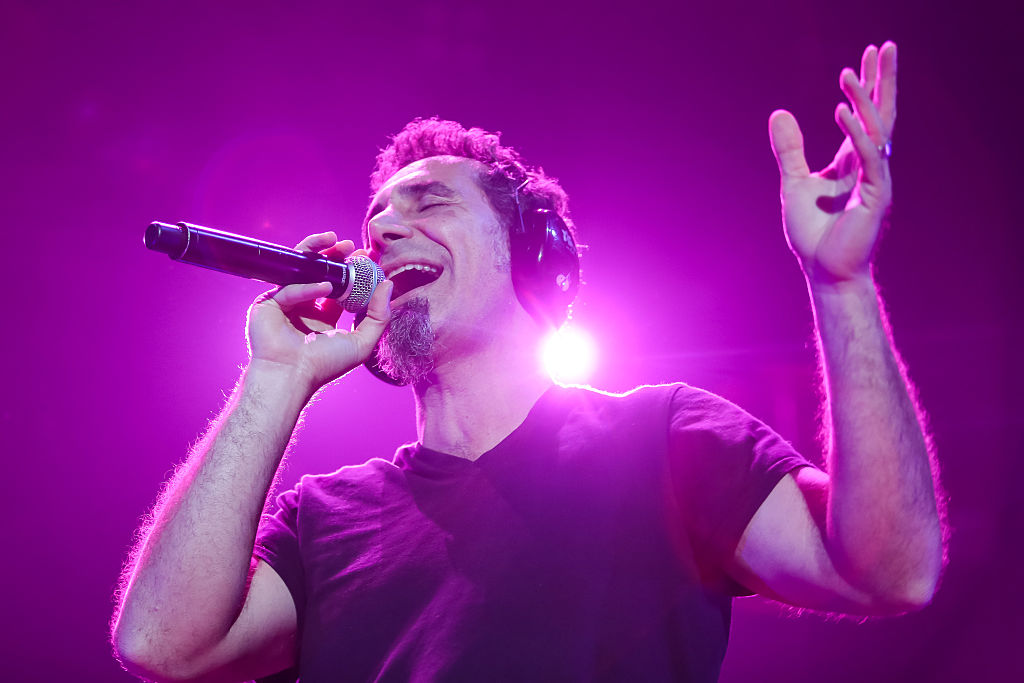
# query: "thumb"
[[787, 144], [378, 313]]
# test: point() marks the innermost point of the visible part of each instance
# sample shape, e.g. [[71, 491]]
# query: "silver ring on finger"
[[885, 150]]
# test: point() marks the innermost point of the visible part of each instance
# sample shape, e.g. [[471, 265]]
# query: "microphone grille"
[[366, 275]]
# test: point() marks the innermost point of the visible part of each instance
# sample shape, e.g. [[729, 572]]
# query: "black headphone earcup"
[[545, 265]]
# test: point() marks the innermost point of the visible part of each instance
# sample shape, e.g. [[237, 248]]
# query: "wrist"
[[285, 383], [847, 304], [855, 287]]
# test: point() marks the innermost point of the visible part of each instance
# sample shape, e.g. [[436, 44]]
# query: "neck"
[[470, 404]]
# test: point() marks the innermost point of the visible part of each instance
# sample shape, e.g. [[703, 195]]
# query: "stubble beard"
[[406, 350]]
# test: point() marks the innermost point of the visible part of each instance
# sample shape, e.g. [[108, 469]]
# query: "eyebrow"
[[416, 191]]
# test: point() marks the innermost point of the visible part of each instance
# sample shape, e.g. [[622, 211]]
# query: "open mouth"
[[413, 276]]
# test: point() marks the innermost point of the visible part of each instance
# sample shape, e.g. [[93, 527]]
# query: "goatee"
[[406, 348]]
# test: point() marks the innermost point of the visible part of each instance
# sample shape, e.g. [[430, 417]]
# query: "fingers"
[[327, 243], [321, 240], [290, 296], [379, 308], [340, 251], [869, 70], [787, 144], [863, 106], [867, 149], [378, 313], [886, 89]]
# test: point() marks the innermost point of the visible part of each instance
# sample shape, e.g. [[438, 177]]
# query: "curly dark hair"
[[423, 138]]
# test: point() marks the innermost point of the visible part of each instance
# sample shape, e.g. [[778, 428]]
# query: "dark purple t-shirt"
[[587, 546]]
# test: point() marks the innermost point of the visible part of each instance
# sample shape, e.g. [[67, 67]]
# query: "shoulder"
[[698, 411], [682, 406], [348, 475], [351, 482], [639, 398]]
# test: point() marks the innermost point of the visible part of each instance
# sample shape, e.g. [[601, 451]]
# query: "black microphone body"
[[354, 280]]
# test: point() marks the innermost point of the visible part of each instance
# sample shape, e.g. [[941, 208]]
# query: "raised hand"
[[833, 217], [295, 326]]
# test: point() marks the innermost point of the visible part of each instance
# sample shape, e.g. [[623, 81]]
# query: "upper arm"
[[782, 553], [262, 640]]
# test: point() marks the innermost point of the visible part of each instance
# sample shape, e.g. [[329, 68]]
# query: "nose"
[[386, 228]]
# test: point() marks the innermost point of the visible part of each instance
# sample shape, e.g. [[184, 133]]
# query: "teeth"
[[413, 266]]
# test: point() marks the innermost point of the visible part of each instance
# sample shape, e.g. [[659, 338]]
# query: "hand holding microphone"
[[287, 328], [353, 279]]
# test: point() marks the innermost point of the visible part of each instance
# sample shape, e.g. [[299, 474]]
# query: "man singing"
[[536, 532]]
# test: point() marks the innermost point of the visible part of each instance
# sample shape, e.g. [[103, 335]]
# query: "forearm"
[[187, 583], [883, 528]]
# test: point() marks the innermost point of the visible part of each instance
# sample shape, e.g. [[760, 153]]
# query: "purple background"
[[264, 119]]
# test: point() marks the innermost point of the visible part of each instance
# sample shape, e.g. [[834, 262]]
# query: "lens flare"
[[570, 355]]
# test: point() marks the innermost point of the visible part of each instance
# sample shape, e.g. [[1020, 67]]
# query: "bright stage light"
[[570, 355]]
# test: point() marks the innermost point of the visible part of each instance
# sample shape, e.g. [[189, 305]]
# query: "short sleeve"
[[277, 544], [723, 462]]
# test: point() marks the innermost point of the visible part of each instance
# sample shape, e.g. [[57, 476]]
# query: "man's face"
[[434, 233]]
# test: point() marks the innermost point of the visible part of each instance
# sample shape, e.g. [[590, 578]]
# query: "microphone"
[[354, 279]]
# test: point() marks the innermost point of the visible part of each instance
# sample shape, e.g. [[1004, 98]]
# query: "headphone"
[[545, 265], [545, 261]]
